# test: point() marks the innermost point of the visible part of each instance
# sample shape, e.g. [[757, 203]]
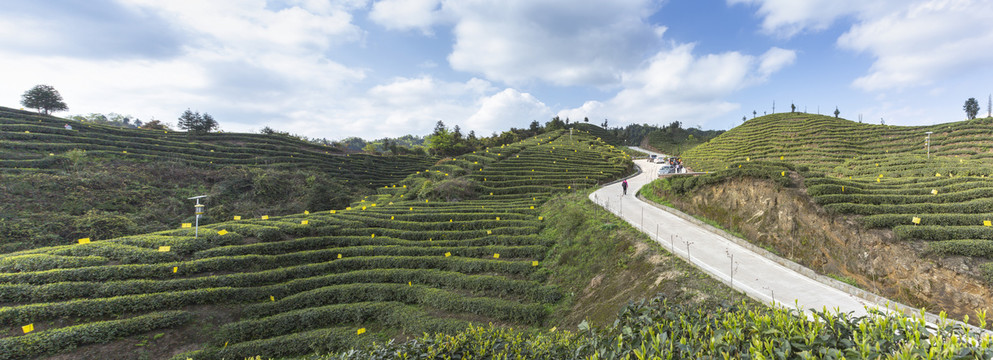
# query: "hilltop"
[[831, 145], [102, 181]]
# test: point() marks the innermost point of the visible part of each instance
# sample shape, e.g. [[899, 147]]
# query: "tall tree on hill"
[[792, 108], [754, 114], [836, 112], [44, 98], [971, 108], [195, 123]]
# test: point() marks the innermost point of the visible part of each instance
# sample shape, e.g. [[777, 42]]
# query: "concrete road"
[[747, 271]]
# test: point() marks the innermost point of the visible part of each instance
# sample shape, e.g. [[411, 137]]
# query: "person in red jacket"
[[624, 185]]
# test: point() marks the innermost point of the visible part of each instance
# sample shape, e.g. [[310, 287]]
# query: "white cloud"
[[407, 14], [676, 85], [506, 109], [923, 43], [775, 59], [913, 43], [402, 106], [787, 18], [562, 42]]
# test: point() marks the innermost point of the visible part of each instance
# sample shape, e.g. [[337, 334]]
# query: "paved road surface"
[[755, 275]]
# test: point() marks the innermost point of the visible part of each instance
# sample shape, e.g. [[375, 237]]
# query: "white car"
[[667, 169]]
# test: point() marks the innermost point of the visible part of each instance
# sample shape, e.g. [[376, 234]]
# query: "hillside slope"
[[939, 208], [98, 181], [454, 244]]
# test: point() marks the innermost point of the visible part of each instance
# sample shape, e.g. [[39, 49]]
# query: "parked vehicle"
[[667, 169]]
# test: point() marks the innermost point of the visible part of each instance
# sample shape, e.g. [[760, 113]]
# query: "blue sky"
[[378, 68]]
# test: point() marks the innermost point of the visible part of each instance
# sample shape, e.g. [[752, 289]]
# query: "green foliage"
[[196, 123], [53, 341], [98, 224], [44, 98], [971, 108], [663, 329]]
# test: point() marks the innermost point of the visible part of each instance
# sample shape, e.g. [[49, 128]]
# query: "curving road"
[[754, 274]]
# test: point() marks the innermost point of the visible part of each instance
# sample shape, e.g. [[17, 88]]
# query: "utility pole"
[[928, 142]]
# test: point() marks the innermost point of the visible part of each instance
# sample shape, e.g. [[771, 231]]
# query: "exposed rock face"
[[787, 221]]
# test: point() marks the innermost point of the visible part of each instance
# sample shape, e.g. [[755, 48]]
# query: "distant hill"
[[103, 181]]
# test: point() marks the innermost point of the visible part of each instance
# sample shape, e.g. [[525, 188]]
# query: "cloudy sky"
[[377, 68]]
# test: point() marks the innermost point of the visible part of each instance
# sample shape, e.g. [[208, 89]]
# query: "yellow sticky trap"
[[272, 298], [937, 174], [410, 283], [496, 256], [125, 151], [175, 269], [164, 248], [392, 218], [360, 331], [339, 256], [532, 207], [739, 166], [570, 186], [780, 157], [934, 191], [305, 212], [489, 232], [187, 225], [498, 218], [987, 223], [373, 235], [534, 263], [411, 209], [348, 208], [27, 328], [238, 217], [877, 164], [842, 188], [540, 218], [880, 175], [447, 254], [916, 220], [748, 159], [222, 232], [363, 208], [491, 194], [304, 222], [333, 211], [425, 200], [84, 241], [784, 173], [265, 217], [450, 220], [878, 180]]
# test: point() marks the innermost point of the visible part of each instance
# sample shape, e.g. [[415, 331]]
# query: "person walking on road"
[[624, 185]]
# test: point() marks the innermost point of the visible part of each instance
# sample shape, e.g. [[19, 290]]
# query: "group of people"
[[676, 163]]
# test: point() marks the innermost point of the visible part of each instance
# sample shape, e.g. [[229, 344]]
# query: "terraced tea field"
[[881, 173], [453, 244], [38, 143], [104, 181]]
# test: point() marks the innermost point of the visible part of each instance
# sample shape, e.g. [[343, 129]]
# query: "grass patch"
[[601, 263]]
